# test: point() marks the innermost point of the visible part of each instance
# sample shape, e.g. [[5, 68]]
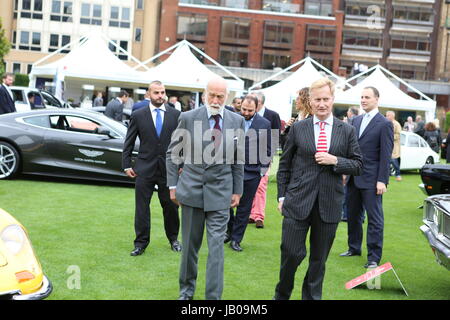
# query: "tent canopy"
[[390, 95], [280, 96], [92, 59], [183, 70]]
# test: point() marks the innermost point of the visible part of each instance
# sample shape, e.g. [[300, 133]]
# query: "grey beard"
[[214, 111]]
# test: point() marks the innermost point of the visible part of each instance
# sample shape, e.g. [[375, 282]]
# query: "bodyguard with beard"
[[210, 141], [154, 126]]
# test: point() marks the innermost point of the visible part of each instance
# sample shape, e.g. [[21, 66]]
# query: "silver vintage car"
[[436, 228]]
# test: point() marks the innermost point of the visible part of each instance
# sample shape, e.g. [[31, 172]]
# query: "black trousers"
[[293, 251], [143, 194], [238, 224]]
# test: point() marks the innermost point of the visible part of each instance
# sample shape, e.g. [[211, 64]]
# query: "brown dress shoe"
[[259, 224]]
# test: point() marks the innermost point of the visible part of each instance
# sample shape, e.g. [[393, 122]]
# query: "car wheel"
[[429, 160], [9, 160]]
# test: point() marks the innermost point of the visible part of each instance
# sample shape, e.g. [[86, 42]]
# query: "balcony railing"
[[281, 7]]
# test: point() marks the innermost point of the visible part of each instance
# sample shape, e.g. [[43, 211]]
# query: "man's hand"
[[130, 172], [173, 196], [280, 205], [324, 158], [381, 188], [235, 198]]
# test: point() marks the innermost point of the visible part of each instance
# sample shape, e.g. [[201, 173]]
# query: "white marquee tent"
[[90, 62], [390, 95], [280, 97], [182, 70]]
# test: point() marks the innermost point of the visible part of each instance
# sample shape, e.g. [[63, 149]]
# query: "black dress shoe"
[[370, 265], [350, 253], [227, 238], [185, 297], [235, 246], [176, 246], [137, 251]]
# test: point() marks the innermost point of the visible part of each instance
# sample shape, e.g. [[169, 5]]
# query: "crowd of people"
[[214, 162]]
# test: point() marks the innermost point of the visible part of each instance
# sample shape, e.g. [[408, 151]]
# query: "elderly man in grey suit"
[[211, 181], [319, 150], [114, 108]]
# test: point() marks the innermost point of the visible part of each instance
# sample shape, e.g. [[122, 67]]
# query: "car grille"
[[446, 226]]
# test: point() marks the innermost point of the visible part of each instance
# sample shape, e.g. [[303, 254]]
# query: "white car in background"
[[42, 99], [415, 152]]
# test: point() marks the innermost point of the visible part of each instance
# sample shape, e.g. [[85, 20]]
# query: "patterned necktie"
[[322, 143], [217, 133], [158, 122]]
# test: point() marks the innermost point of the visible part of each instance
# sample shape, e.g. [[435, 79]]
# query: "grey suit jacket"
[[114, 110], [301, 180], [204, 183]]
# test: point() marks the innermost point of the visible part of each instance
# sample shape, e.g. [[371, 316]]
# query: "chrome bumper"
[[441, 252], [42, 293]]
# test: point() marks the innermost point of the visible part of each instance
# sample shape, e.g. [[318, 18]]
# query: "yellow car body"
[[21, 275]]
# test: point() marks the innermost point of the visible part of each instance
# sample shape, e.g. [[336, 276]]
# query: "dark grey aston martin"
[[68, 143]]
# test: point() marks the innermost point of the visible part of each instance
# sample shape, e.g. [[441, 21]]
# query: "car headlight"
[[429, 211], [14, 238]]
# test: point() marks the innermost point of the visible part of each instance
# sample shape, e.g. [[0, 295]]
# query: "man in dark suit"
[[114, 108], [259, 203], [154, 126], [6, 95], [257, 160], [376, 140], [318, 151]]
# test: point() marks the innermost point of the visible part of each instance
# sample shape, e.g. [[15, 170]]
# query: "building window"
[[237, 4], [324, 59], [58, 41], [319, 7], [275, 59], [362, 9], [409, 72], [410, 43], [192, 27], [278, 34], [320, 38], [31, 9], [26, 43], [16, 68], [413, 14], [14, 40], [235, 30], [234, 56], [138, 35], [91, 14], [281, 6], [140, 4], [117, 20], [61, 11], [114, 47], [363, 39]]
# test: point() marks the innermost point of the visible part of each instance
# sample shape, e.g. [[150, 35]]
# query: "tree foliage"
[[4, 47]]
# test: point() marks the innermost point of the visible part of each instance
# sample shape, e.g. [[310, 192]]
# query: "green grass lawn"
[[90, 226]]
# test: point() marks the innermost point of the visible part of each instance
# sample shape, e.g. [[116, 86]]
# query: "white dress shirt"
[[366, 120], [328, 128], [154, 113]]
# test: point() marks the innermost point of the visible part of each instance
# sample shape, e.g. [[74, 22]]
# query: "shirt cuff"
[[281, 199], [172, 187]]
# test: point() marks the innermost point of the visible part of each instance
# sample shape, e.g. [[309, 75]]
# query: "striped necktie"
[[322, 143]]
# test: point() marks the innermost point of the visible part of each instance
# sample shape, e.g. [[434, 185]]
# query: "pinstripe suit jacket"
[[301, 180]]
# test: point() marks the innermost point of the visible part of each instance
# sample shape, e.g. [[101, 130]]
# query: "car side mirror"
[[103, 131]]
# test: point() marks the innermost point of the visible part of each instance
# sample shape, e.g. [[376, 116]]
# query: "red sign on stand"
[[371, 274]]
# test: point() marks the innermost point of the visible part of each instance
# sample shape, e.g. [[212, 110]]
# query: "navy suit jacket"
[[254, 164], [376, 143], [274, 118], [6, 103], [140, 104]]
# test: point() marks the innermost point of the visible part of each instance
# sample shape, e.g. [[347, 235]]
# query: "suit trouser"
[[193, 222], [142, 221], [238, 223], [293, 251], [259, 202], [358, 200]]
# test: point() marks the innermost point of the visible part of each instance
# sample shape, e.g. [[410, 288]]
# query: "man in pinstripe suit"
[[319, 150]]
